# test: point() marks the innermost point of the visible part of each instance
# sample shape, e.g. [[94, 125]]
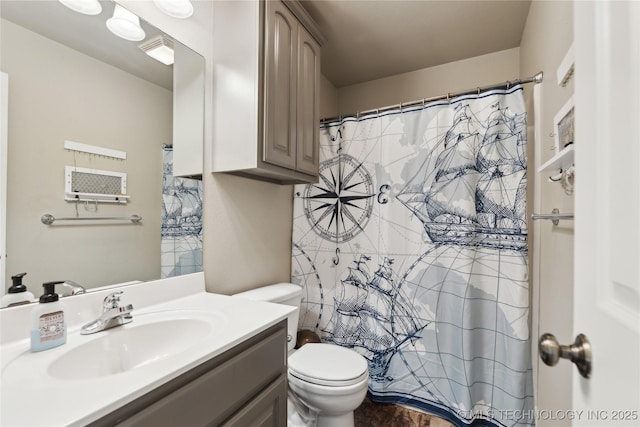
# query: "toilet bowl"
[[330, 380]]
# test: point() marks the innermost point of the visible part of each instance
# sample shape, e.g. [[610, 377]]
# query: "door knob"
[[579, 352]]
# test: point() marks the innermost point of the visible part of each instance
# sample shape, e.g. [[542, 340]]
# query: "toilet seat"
[[328, 364]]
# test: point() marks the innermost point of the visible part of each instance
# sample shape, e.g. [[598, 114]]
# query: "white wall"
[[328, 98], [59, 94], [545, 40], [429, 82]]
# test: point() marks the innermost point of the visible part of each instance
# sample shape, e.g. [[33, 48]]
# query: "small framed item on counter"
[[564, 126]]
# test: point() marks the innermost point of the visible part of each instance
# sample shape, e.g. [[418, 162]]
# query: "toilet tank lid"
[[272, 293]]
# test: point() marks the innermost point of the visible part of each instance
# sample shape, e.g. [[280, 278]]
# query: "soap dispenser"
[[17, 293], [49, 328]]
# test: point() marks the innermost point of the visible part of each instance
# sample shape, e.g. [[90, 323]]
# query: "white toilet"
[[328, 378]]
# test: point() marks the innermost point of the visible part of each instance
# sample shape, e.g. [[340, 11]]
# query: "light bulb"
[[87, 7], [175, 8], [125, 24]]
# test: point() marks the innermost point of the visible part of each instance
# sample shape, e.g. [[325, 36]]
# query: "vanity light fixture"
[[175, 8], [159, 48], [87, 7], [125, 24]]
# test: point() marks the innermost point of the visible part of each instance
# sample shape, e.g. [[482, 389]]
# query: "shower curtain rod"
[[505, 85]]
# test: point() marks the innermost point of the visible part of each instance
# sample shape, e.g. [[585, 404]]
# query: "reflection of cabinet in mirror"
[[266, 91], [188, 112]]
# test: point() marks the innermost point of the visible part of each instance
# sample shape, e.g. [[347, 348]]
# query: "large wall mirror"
[[72, 81]]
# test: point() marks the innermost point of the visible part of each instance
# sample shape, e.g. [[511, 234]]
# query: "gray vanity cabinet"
[[266, 91], [245, 386]]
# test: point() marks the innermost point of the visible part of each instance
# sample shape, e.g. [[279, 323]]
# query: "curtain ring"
[[401, 107], [423, 101], [478, 90], [508, 84], [449, 98], [358, 116], [377, 112]]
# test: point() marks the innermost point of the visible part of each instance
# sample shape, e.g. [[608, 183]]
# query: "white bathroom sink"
[[131, 346], [149, 338]]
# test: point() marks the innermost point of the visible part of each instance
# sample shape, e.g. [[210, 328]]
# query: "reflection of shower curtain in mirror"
[[412, 250], [181, 245]]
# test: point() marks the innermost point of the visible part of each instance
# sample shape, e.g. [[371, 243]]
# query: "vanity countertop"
[[32, 396]]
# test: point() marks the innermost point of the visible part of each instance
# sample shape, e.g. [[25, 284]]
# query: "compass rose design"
[[339, 206]]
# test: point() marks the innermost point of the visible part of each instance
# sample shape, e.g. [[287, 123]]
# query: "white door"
[[607, 209]]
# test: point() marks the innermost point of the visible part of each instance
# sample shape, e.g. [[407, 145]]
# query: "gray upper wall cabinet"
[[266, 91]]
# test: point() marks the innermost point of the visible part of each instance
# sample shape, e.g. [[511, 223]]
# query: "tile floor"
[[371, 414]]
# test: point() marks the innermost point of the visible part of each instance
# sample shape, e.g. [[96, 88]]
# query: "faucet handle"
[[111, 301]]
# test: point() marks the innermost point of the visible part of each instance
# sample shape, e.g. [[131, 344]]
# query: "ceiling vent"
[[159, 48]]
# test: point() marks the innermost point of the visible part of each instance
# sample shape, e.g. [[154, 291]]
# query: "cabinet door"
[[308, 104], [280, 68], [268, 409]]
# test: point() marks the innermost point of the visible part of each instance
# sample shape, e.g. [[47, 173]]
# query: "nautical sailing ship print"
[[419, 261], [372, 314], [475, 194]]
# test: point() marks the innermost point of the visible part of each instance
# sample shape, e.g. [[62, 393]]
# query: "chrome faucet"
[[72, 288], [112, 315]]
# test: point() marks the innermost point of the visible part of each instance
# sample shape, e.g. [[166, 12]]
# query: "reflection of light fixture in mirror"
[[175, 8], [87, 7], [159, 48], [125, 24]]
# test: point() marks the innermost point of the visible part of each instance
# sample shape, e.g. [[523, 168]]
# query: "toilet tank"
[[280, 293]]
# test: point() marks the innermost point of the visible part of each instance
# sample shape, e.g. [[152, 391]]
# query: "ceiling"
[[89, 35], [367, 39], [371, 39]]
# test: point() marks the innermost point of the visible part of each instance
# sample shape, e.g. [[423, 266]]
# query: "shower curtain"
[[181, 238], [412, 250]]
